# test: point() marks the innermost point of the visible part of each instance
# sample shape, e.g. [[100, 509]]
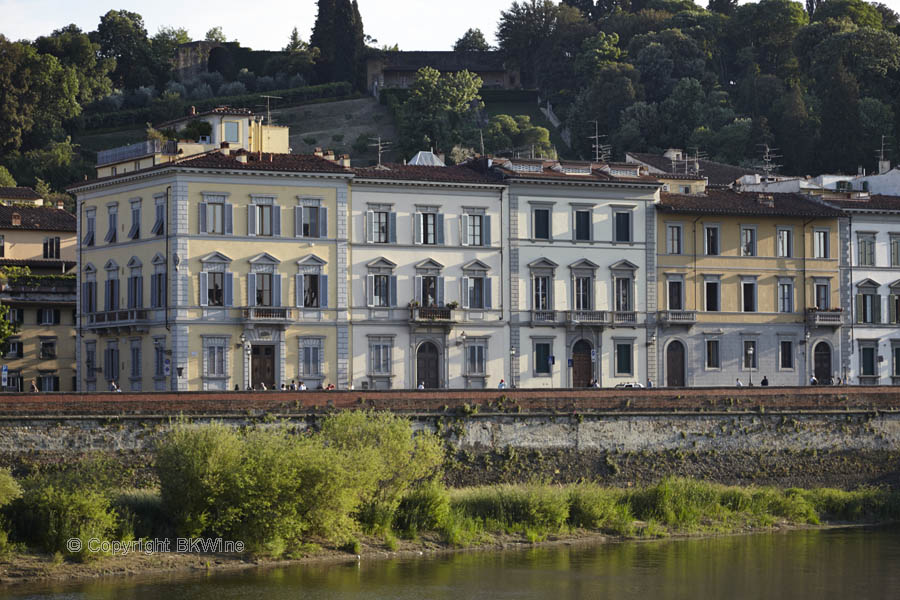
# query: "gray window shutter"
[[298, 286], [417, 227], [370, 290], [201, 215], [486, 230], [153, 294], [229, 219], [276, 289], [323, 222], [251, 289], [487, 292], [276, 220], [440, 291], [229, 289], [139, 290], [370, 225], [131, 298], [106, 294], [859, 308], [393, 295], [464, 230], [418, 290], [440, 229], [40, 316], [251, 219], [298, 221], [392, 228], [203, 286], [876, 305], [892, 308], [464, 292], [323, 291]]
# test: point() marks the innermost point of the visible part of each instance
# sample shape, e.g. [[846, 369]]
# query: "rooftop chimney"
[[59, 204], [329, 155], [241, 158], [318, 151], [345, 160], [16, 219], [766, 200], [884, 166], [224, 149]]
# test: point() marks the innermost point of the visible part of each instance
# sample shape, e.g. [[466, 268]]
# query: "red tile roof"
[[37, 218], [18, 193], [718, 174], [876, 202], [454, 174], [300, 163], [728, 202], [219, 110]]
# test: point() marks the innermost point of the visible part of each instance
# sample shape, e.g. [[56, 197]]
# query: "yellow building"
[[748, 284], [215, 272], [42, 303]]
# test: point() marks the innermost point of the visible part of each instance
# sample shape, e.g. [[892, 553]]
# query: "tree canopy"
[[471, 41]]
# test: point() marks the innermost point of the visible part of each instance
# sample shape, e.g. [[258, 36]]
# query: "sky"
[[413, 24]]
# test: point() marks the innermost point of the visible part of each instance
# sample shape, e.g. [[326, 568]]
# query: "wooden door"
[[675, 364], [428, 366], [582, 365], [822, 359], [262, 367]]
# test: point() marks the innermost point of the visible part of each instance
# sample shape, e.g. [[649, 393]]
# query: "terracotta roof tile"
[[727, 202], [300, 163], [18, 193], [453, 174], [877, 202], [37, 218], [718, 174]]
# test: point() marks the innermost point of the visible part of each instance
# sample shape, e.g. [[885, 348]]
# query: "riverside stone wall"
[[785, 436]]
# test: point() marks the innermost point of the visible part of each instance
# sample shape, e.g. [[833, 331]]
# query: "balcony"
[[678, 317], [125, 320], [543, 317], [622, 318], [588, 317], [268, 314], [138, 150], [824, 318], [430, 313]]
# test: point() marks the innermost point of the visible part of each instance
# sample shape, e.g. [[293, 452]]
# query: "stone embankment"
[[837, 436]]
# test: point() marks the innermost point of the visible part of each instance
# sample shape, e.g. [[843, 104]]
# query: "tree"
[[165, 42], [323, 38], [338, 34], [215, 34], [768, 29], [505, 134], [860, 12], [73, 48], [839, 148], [6, 178], [471, 41], [725, 7], [122, 36], [520, 30], [440, 109]]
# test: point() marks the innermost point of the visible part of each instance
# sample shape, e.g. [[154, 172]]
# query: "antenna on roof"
[[768, 165], [601, 151], [268, 111], [380, 145], [883, 164]]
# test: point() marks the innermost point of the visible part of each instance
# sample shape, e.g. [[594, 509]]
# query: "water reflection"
[[847, 563]]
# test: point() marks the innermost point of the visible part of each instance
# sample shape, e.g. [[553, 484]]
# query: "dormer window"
[[16, 219]]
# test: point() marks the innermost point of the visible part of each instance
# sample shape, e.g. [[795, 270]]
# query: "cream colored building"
[[42, 304], [215, 272]]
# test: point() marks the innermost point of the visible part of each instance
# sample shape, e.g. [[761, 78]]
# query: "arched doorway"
[[428, 366], [582, 365], [822, 363], [675, 364]]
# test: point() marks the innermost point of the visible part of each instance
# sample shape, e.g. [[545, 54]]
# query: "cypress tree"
[[323, 38], [345, 47]]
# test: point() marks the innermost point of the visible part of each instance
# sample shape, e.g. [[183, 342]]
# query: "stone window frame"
[[616, 342], [895, 364], [113, 373], [679, 226], [867, 287], [429, 268], [380, 340], [781, 338], [90, 367], [473, 270], [785, 280], [381, 266], [254, 221], [159, 268], [135, 295], [718, 228], [89, 277], [135, 232], [717, 279], [471, 342], [748, 279], [827, 240], [203, 214], [541, 339], [575, 208], [616, 209], [583, 269], [305, 202], [17, 351], [159, 216], [675, 277], [265, 263], [215, 262], [316, 266], [390, 226], [90, 220], [540, 205], [893, 303], [216, 341], [873, 345], [626, 271], [231, 122], [867, 237], [159, 363], [754, 228], [418, 225], [826, 281], [135, 373], [112, 274], [789, 229], [475, 211], [717, 339], [112, 221], [53, 374], [311, 341]]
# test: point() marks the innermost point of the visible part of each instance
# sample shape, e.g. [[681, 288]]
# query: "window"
[[112, 216], [135, 231], [712, 240], [232, 132], [712, 295], [311, 291], [748, 241], [14, 348], [820, 243], [383, 290], [216, 216], [542, 292], [310, 357], [750, 354], [895, 250], [2, 246], [215, 289], [264, 219], [48, 316], [112, 291], [622, 226], [90, 360], [675, 292], [111, 361], [14, 382], [51, 247], [785, 297], [623, 294], [90, 225], [785, 243], [136, 368], [823, 293], [476, 230], [582, 225], [429, 290], [89, 296], [159, 358], [16, 316], [48, 382], [542, 358], [868, 305], [868, 357], [624, 358], [476, 292], [311, 225], [48, 348], [135, 288], [475, 359], [866, 250], [380, 356], [215, 361], [748, 295], [264, 289], [786, 355], [895, 354], [712, 354], [583, 293], [382, 227], [673, 239], [542, 223], [159, 224], [429, 228], [158, 286]]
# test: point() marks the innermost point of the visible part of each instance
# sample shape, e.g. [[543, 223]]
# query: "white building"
[[582, 270], [428, 280]]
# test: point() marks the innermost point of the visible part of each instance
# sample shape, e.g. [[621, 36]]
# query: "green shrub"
[[680, 503], [309, 141], [9, 488], [142, 512], [515, 507], [595, 507], [424, 508]]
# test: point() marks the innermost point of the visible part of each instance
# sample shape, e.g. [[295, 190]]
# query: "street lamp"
[[512, 357], [750, 354], [248, 349]]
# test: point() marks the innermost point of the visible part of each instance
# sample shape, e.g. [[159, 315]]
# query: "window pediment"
[[868, 283], [542, 263], [90, 268], [311, 260], [159, 259], [134, 262], [111, 265], [895, 285], [475, 265], [214, 257], [429, 264], [264, 258], [381, 263], [623, 265], [584, 264]]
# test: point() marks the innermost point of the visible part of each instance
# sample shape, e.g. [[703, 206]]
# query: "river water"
[[853, 563]]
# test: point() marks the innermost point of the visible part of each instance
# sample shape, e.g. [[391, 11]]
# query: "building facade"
[[41, 300], [427, 278], [749, 288], [215, 272], [581, 286]]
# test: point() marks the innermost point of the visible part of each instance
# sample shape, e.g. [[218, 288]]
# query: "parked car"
[[630, 384]]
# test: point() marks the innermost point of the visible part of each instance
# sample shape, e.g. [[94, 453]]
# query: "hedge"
[[161, 110], [488, 95]]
